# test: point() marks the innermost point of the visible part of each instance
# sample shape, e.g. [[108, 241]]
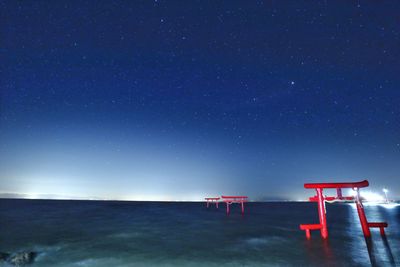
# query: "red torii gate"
[[211, 200], [234, 199], [320, 198]]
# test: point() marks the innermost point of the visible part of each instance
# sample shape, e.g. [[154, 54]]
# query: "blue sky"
[[170, 100]]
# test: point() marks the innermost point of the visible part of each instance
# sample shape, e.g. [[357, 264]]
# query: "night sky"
[[179, 100]]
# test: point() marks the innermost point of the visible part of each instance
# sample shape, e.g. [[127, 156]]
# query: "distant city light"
[[371, 196], [386, 196]]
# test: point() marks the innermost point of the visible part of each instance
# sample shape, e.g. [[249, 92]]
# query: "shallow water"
[[108, 233]]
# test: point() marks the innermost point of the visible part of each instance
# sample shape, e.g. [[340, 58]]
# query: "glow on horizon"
[[136, 197]]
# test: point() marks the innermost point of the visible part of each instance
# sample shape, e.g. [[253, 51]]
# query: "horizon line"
[[135, 200], [33, 196]]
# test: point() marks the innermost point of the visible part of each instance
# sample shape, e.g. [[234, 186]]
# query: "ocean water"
[[110, 233]]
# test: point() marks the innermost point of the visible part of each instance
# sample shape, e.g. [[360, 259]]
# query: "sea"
[[122, 233]]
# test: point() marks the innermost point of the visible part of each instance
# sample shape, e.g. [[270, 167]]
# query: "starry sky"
[[179, 100]]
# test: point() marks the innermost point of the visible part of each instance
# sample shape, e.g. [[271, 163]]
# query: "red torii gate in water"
[[212, 200], [320, 198], [229, 200]]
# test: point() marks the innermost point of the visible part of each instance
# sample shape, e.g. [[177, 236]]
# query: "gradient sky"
[[162, 100]]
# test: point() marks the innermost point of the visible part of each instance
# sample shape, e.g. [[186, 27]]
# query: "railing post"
[[322, 213], [361, 215], [308, 234], [339, 193]]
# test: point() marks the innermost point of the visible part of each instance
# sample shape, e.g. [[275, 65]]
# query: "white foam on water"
[[255, 241], [98, 262], [264, 241], [107, 262], [126, 235]]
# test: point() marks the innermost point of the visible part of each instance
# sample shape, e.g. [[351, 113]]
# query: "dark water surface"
[[107, 233]]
